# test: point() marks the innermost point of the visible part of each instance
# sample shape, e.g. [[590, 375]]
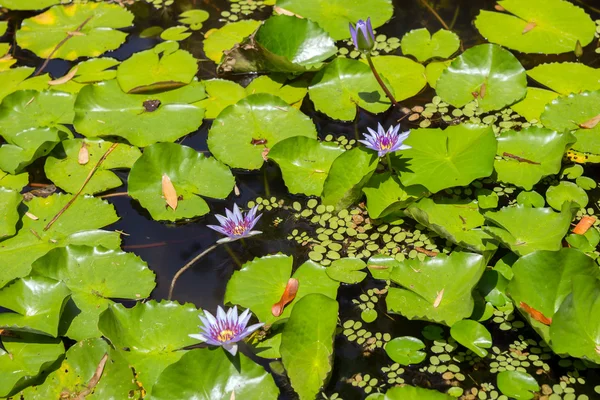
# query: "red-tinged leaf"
[[498, 7], [529, 27], [590, 123], [289, 294], [584, 225], [169, 192], [535, 314]]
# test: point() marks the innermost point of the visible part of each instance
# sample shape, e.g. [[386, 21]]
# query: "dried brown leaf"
[[84, 154], [438, 299], [528, 27], [169, 192], [289, 294], [590, 124]]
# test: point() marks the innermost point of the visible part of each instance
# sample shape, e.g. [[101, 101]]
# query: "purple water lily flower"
[[235, 225], [226, 329], [362, 35], [385, 142]]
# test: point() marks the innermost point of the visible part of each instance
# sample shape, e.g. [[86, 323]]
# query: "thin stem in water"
[[188, 266], [383, 86], [389, 163]]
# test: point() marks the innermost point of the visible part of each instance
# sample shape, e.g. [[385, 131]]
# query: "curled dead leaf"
[[373, 266], [169, 192], [84, 154], [30, 215], [535, 314], [589, 124], [282, 11], [482, 90], [289, 294], [438, 299], [265, 154], [64, 79]]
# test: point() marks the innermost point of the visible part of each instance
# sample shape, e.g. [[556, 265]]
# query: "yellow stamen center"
[[225, 335], [239, 230]]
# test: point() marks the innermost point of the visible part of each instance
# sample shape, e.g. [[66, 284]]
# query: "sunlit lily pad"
[[277, 84], [104, 109], [534, 103], [517, 384], [16, 79], [528, 155], [487, 73], [556, 195], [94, 275], [537, 26], [72, 161], [343, 85], [266, 119], [221, 94], [9, 201], [304, 163], [406, 350], [28, 4], [191, 173], [423, 45], [566, 78], [347, 270], [92, 28], [405, 76], [222, 39], [386, 194], [434, 70], [472, 335], [456, 156]]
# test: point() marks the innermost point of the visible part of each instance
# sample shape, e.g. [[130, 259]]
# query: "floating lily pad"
[[304, 163], [91, 28], [347, 270], [534, 103], [406, 350], [222, 39], [517, 384], [487, 73], [343, 85], [13, 182], [194, 18], [566, 78], [528, 155], [456, 156], [201, 373], [16, 79], [566, 191], [408, 392], [386, 194], [293, 92], [221, 94], [472, 335], [307, 343], [95, 70], [405, 76], [9, 201], [176, 33], [104, 109], [537, 26], [72, 161], [423, 45], [266, 119], [28, 4], [335, 15], [94, 275]]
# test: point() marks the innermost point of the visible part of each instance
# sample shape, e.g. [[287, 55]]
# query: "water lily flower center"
[[225, 335], [239, 230]]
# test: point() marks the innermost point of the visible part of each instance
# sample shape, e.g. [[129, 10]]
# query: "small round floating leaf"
[[266, 120], [566, 191], [224, 38], [406, 350], [9, 201], [191, 173], [534, 103], [406, 77], [369, 315], [531, 199], [567, 77], [176, 33], [347, 270], [90, 26], [423, 45], [583, 182], [487, 73], [516, 384], [472, 335], [194, 18], [221, 94]]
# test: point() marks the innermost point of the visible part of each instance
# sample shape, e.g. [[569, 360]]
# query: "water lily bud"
[[362, 35]]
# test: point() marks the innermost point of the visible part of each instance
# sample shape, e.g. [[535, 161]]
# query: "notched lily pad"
[[406, 350], [386, 194], [423, 45]]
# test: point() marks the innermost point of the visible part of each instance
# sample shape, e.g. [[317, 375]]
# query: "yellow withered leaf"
[[169, 192]]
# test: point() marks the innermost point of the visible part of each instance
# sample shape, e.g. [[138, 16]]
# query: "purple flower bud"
[[362, 35], [236, 225], [385, 142]]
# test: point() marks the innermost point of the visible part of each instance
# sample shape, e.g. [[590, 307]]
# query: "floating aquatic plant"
[[235, 225], [384, 142]]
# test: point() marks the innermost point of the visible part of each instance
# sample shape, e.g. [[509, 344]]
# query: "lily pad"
[[347, 270], [517, 384], [386, 194], [28, 4], [191, 173], [456, 156], [95, 70], [566, 78], [104, 109], [434, 70], [408, 392], [487, 73], [9, 201], [18, 79], [94, 275], [176, 33], [528, 155], [202, 373], [472, 335], [406, 350], [266, 119], [304, 163], [566, 191], [67, 168], [307, 344], [534, 103], [13, 182], [423, 45], [293, 92], [221, 94], [194, 18], [342, 86], [94, 23], [405, 76], [537, 26], [222, 39]]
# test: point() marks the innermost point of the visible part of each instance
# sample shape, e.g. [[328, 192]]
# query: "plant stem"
[[389, 162], [266, 182], [187, 266], [231, 253], [385, 89]]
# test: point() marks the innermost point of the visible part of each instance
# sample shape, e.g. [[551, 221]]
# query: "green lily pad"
[[23, 357], [347, 270], [566, 191], [9, 201], [266, 119], [304, 163], [94, 275], [77, 225], [96, 70], [104, 109], [269, 276], [65, 169], [32, 123], [220, 40], [293, 92], [335, 15], [176, 33], [434, 70], [517, 384], [307, 344], [525, 229], [347, 176], [454, 220], [583, 182], [154, 69], [13, 182], [537, 26], [97, 24], [191, 173], [142, 337], [386, 194], [405, 76], [202, 373], [530, 154], [492, 285], [406, 350], [472, 335], [194, 18], [566, 78], [575, 328], [37, 303], [531, 199], [456, 156], [423, 45], [343, 85], [18, 79], [488, 71], [436, 289], [534, 103], [408, 392], [28, 4], [221, 94], [569, 112]]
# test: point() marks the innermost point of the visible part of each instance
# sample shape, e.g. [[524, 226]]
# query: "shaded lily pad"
[[96, 23], [534, 103], [191, 173], [406, 350], [94, 275], [347, 270], [487, 73], [566, 191], [9, 201], [342, 86], [405, 76], [266, 119], [66, 168], [456, 156], [408, 392], [517, 384], [566, 78], [472, 335], [194, 18], [386, 194], [104, 109], [222, 39], [423, 45], [537, 26], [531, 199], [304, 163]]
